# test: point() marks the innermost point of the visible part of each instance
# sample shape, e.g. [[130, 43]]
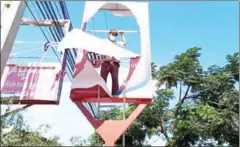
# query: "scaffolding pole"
[[124, 107], [11, 20], [98, 136]]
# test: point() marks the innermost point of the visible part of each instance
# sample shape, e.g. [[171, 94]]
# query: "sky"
[[174, 27]]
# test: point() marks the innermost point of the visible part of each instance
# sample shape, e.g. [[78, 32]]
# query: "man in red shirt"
[[110, 64]]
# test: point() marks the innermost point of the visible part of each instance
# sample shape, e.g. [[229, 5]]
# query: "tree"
[[233, 65], [206, 105], [14, 132], [208, 109], [77, 141]]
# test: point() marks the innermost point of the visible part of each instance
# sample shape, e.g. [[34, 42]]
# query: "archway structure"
[[88, 85]]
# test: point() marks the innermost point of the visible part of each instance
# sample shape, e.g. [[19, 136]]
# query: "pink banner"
[[30, 82]]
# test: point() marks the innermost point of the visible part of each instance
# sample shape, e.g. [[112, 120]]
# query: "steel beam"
[[11, 20]]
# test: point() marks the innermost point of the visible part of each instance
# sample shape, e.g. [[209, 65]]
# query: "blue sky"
[[174, 27]]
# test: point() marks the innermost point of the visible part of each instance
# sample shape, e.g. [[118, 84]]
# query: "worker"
[[110, 64]]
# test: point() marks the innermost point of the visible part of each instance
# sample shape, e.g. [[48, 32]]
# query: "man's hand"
[[110, 59], [121, 32], [123, 38], [107, 58]]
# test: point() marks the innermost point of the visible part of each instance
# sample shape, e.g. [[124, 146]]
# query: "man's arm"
[[124, 41], [120, 43]]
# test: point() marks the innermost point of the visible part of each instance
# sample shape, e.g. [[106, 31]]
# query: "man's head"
[[112, 35]]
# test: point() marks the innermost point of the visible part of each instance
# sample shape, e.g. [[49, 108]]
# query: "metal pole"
[[124, 117], [98, 137], [124, 106], [106, 31], [46, 23], [11, 20]]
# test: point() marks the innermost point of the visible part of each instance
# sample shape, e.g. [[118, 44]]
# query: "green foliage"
[[15, 131], [233, 65], [205, 113], [207, 108], [77, 141], [21, 134]]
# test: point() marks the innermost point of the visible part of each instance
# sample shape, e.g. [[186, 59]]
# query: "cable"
[[54, 34], [42, 31], [69, 54], [54, 29], [55, 4], [38, 5], [54, 17], [41, 19], [59, 30], [36, 20], [66, 16]]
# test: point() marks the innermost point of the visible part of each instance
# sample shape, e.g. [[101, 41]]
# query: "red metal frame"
[[90, 95], [110, 130], [113, 100], [32, 102]]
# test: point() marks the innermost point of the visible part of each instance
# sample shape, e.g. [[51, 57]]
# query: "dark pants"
[[112, 68]]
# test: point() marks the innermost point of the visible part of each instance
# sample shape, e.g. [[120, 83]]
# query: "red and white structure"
[[41, 83], [88, 85]]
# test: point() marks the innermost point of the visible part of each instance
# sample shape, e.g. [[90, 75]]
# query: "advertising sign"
[[32, 83]]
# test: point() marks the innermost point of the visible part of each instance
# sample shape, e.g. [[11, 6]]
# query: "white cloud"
[[19, 42], [29, 42]]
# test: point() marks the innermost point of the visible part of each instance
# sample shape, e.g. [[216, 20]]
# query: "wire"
[[54, 34], [36, 20], [54, 17], [55, 4], [106, 19], [48, 16], [66, 16], [35, 7], [39, 7], [60, 32], [42, 31]]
